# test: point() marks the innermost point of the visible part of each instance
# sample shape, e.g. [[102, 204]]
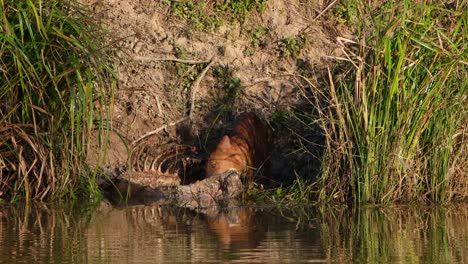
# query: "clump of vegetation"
[[229, 88], [210, 15], [305, 68], [396, 123], [346, 12], [292, 46], [55, 88], [258, 37], [226, 93], [239, 10], [196, 14]]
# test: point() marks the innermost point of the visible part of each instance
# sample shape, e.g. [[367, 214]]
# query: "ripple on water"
[[158, 234]]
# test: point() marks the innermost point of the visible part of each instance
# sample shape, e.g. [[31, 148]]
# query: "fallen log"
[[118, 184]]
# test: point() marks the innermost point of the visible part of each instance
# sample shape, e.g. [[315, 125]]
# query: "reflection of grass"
[[58, 232], [378, 235], [336, 235], [54, 92], [395, 122], [384, 234]]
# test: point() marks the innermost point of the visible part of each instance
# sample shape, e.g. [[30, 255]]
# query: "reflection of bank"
[[162, 233], [169, 234], [237, 227]]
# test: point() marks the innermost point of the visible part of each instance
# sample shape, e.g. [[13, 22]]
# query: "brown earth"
[[150, 93]]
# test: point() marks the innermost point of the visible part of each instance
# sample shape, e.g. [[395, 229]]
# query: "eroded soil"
[[154, 90]]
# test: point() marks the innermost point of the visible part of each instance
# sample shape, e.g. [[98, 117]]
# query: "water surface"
[[164, 234]]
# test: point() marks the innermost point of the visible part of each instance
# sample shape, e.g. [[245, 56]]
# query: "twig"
[[158, 104], [337, 58], [149, 59], [259, 80], [325, 10], [147, 134], [195, 87]]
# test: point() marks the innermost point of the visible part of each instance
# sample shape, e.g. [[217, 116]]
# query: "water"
[[162, 234]]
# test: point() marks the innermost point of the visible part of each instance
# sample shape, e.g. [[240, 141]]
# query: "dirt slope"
[[259, 58]]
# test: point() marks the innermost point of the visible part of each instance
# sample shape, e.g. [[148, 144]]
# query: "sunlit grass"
[[55, 88], [396, 123]]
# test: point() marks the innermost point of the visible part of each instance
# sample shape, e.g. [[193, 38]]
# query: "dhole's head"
[[227, 155]]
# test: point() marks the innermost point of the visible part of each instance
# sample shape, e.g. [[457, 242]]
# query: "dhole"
[[246, 150]]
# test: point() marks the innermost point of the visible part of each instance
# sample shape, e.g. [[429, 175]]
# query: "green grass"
[[346, 12], [55, 88], [395, 124], [258, 39], [258, 36], [195, 13], [394, 118]]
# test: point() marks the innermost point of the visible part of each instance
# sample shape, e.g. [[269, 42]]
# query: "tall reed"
[[55, 88], [396, 123]]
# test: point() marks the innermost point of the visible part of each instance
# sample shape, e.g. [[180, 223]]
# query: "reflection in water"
[[238, 227], [41, 234], [157, 234]]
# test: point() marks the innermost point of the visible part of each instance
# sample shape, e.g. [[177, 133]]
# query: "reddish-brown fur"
[[239, 227], [245, 150]]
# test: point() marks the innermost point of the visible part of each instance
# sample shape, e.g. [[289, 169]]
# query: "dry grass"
[[55, 88], [395, 122]]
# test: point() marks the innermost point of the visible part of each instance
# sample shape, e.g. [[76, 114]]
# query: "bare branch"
[[195, 87], [158, 130]]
